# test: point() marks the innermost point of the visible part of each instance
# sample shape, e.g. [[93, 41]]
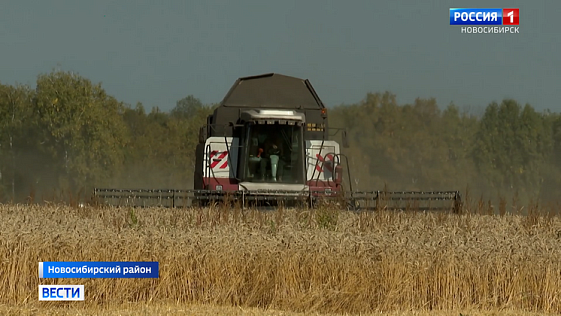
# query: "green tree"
[[536, 143], [187, 107], [81, 128], [512, 149], [14, 117], [457, 131], [487, 151], [162, 153]]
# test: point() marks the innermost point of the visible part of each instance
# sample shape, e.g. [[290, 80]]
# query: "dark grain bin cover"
[[272, 91]]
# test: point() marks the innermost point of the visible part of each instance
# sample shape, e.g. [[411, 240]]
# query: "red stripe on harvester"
[[219, 159], [320, 158], [328, 166], [224, 165]]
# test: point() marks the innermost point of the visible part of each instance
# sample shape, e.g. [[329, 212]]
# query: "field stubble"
[[294, 260]]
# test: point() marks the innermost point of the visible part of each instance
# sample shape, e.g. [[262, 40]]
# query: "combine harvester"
[[269, 142]]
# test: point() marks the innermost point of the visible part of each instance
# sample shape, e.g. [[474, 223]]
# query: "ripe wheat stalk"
[[296, 260]]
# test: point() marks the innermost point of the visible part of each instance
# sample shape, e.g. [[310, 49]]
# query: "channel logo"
[[490, 16], [61, 292], [511, 17]]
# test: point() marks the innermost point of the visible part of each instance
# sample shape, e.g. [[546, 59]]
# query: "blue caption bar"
[[98, 269], [459, 16]]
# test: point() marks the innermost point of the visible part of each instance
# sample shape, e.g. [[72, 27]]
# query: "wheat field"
[[286, 262]]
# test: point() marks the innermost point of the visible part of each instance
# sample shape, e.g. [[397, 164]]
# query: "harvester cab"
[[273, 143], [269, 141]]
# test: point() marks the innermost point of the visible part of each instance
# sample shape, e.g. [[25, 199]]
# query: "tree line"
[[68, 135]]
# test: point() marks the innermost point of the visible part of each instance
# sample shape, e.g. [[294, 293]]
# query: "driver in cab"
[[273, 147]]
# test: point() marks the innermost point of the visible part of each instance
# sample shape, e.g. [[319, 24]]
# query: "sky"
[[157, 52]]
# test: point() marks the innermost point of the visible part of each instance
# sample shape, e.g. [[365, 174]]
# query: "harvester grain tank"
[[269, 141]]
